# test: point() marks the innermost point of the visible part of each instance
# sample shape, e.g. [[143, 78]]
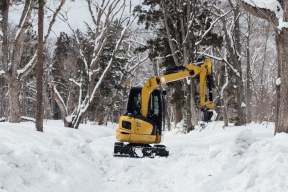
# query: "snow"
[[29, 64], [243, 104], [2, 72], [28, 118], [246, 158], [272, 5], [214, 116], [69, 118], [2, 119], [278, 81]]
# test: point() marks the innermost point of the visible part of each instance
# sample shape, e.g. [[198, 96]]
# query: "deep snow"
[[246, 158]]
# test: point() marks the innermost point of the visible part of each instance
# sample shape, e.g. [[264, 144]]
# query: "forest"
[[86, 70], [143, 95]]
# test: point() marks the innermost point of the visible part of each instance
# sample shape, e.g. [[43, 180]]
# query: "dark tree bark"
[[248, 74], [15, 110], [39, 69], [4, 26]]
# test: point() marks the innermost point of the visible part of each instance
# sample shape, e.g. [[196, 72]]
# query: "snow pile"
[[215, 159], [51, 161], [272, 5], [278, 81], [248, 164]]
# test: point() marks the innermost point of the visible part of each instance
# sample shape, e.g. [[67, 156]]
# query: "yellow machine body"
[[138, 128], [140, 131]]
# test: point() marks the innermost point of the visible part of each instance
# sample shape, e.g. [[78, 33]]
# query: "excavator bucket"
[[139, 150]]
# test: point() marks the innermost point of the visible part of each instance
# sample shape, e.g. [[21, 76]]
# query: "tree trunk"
[[248, 73], [194, 117], [39, 69], [4, 25], [2, 90], [190, 126], [48, 112], [177, 115], [52, 105], [61, 105], [282, 42], [167, 117], [14, 103], [24, 99], [224, 112], [239, 80], [77, 120], [106, 117], [277, 87]]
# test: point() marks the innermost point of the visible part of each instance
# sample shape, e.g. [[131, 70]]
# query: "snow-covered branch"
[[226, 83], [211, 27], [221, 59]]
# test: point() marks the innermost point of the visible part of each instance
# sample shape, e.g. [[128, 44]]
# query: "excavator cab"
[[155, 107]]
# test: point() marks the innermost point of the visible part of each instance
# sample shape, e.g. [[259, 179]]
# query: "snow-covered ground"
[[244, 158]]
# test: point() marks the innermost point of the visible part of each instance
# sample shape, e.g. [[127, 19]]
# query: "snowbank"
[[215, 159]]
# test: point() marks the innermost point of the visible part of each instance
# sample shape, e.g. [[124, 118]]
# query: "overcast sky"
[[77, 14]]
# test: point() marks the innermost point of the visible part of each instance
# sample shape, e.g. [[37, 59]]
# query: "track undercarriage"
[[136, 150]]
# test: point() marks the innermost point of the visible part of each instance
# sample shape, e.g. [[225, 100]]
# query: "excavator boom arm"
[[192, 71]]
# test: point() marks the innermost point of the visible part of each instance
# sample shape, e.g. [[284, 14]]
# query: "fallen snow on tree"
[[28, 118], [69, 118], [272, 5], [278, 81], [2, 119], [246, 158]]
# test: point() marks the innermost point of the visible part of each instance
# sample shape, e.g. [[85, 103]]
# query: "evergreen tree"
[[179, 26]]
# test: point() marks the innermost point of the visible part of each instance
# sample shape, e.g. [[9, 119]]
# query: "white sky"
[[77, 13]]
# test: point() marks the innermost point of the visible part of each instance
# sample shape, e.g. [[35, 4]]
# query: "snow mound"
[[251, 164], [215, 159], [237, 145]]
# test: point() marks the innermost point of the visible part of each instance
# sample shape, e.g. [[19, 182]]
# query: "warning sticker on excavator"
[[163, 79]]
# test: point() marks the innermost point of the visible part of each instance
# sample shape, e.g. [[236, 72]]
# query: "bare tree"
[[281, 37], [11, 60], [106, 14]]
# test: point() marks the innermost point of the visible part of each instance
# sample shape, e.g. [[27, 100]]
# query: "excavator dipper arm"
[[192, 71]]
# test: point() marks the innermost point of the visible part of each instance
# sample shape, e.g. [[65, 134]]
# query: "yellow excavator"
[[144, 121]]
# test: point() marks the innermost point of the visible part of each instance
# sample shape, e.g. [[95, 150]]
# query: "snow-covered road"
[[244, 158]]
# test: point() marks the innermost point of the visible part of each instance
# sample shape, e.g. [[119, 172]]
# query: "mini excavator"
[[144, 121]]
